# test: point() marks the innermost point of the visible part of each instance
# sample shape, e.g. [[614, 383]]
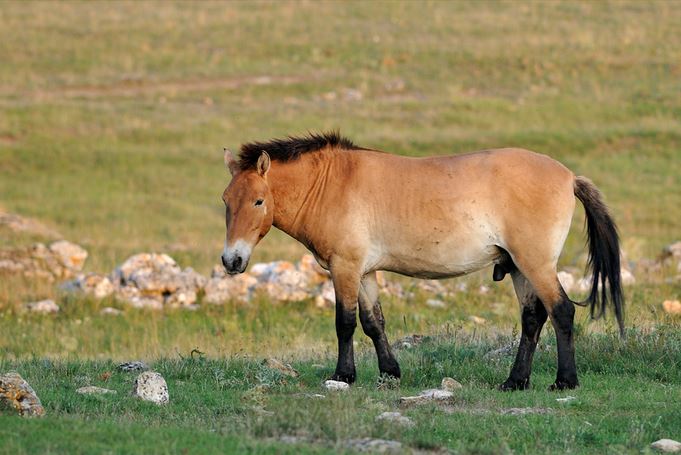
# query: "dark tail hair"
[[604, 252]]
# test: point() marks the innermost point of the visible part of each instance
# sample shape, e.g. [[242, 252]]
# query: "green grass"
[[628, 399], [112, 121]]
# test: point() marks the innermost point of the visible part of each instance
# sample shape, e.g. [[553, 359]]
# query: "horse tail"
[[604, 253]]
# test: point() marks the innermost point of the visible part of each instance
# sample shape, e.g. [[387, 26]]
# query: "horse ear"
[[230, 163], [263, 164]]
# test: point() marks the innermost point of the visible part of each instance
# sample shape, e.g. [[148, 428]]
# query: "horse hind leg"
[[533, 316], [373, 324], [561, 311]]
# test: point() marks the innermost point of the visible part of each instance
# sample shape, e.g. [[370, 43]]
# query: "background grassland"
[[114, 114], [112, 121]]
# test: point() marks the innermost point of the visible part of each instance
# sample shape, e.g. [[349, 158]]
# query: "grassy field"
[[629, 397], [112, 121]]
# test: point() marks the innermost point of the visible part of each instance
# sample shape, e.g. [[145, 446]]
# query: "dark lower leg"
[[562, 317], [533, 318], [373, 325], [346, 321]]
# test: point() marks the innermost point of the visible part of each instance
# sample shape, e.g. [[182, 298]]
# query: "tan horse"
[[359, 211]]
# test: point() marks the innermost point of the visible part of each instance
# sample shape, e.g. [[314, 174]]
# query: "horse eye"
[[258, 202]]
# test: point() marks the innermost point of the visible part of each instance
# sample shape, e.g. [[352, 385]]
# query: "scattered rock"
[[524, 411], [157, 277], [43, 306], [336, 385], [221, 289], [374, 445], [70, 255], [59, 260], [150, 386], [483, 290], [426, 396], [283, 368], [395, 417], [585, 284], [327, 296], [672, 306], [15, 391], [99, 286], [110, 311], [565, 399], [450, 384], [135, 365], [627, 277], [435, 303], [667, 445], [672, 250], [94, 390], [433, 287]]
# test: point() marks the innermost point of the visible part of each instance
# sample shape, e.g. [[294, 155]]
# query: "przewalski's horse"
[[359, 211]]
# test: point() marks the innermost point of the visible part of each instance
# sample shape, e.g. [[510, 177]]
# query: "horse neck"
[[296, 187]]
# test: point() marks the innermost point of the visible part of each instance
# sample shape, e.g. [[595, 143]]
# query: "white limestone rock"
[[430, 395], [94, 390], [46, 306], [667, 445], [69, 255], [336, 385], [150, 386]]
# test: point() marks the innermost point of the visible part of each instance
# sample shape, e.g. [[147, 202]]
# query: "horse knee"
[[346, 322]]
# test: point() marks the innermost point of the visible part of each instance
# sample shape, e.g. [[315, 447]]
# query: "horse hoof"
[[512, 385], [344, 377], [563, 385]]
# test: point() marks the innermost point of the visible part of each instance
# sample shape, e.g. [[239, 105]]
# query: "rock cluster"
[[60, 260], [150, 280], [15, 391]]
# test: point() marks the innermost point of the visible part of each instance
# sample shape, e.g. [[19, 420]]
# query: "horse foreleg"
[[346, 285], [533, 315], [373, 324]]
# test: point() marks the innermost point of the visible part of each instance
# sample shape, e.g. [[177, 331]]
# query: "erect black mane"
[[291, 148]]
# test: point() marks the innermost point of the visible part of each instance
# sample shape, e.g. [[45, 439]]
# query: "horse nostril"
[[236, 264], [224, 261]]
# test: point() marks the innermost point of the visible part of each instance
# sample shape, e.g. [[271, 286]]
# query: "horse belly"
[[438, 256]]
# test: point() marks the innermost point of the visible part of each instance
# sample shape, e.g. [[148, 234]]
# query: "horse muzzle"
[[235, 264]]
